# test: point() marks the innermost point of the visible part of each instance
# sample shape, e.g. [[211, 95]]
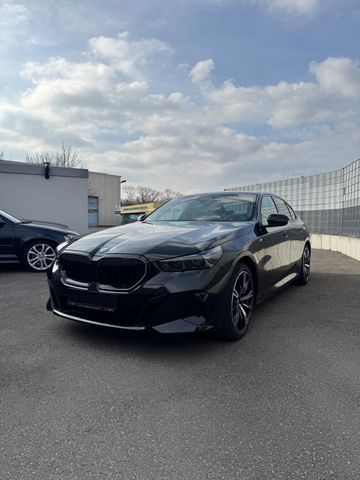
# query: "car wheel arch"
[[31, 240], [251, 264], [26, 243]]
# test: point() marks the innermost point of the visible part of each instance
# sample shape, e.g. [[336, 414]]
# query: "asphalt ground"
[[80, 402]]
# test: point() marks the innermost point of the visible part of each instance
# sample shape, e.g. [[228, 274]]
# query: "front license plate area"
[[92, 300]]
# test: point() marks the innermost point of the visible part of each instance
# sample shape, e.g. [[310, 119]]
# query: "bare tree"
[[66, 157], [147, 195], [168, 194], [141, 194], [130, 193]]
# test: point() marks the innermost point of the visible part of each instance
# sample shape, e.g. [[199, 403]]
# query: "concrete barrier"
[[348, 245]]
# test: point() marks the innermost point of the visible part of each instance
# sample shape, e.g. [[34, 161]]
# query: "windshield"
[[207, 207], [9, 217]]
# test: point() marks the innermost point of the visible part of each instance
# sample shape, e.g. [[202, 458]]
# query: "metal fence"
[[329, 203]]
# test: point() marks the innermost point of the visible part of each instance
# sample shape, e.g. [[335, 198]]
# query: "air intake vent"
[[78, 267], [120, 273], [110, 273]]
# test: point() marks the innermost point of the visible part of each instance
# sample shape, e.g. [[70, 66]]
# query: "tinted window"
[[282, 207], [267, 208], [213, 208]]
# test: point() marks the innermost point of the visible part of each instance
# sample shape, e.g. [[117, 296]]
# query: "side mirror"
[[141, 217], [277, 220], [2, 223]]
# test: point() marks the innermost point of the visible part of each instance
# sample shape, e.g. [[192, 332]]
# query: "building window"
[[93, 211]]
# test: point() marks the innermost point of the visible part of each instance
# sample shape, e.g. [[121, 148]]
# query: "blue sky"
[[185, 94]]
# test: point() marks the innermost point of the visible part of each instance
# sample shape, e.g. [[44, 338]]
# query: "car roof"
[[221, 192]]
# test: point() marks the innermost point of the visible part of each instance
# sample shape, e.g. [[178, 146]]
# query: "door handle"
[[286, 235]]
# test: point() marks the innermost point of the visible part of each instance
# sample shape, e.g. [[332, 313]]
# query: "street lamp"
[[121, 181]]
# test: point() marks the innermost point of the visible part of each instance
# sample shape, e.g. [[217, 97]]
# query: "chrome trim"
[[119, 292], [82, 320], [65, 280], [108, 292]]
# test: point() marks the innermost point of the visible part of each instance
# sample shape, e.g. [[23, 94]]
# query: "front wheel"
[[304, 274], [39, 256], [238, 303]]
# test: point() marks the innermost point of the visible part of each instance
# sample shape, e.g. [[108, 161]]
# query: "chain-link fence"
[[329, 203]]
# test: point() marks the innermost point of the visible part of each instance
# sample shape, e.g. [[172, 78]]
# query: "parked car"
[[31, 242], [198, 263]]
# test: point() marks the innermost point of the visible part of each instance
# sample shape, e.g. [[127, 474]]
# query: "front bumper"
[[172, 306]]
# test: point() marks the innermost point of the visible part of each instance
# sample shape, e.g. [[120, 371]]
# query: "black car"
[[197, 263], [31, 242]]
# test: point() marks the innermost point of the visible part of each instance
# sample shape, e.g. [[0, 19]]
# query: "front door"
[[7, 244], [274, 254]]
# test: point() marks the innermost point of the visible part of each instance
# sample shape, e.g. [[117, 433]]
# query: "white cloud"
[[300, 7], [338, 76], [128, 57], [305, 9], [328, 99], [201, 71], [111, 113], [13, 14]]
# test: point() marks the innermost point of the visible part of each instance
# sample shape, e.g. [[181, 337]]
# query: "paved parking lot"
[[284, 403]]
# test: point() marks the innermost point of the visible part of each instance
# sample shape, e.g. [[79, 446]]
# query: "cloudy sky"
[[186, 94]]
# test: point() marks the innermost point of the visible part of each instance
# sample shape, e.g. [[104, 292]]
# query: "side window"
[[292, 213], [267, 208], [282, 207]]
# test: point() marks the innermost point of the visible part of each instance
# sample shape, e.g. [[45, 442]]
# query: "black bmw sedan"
[[199, 262], [30, 242]]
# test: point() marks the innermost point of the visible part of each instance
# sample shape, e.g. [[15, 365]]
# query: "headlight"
[[61, 246], [197, 261], [69, 237]]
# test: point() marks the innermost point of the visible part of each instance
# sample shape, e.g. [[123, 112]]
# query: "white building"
[[72, 196]]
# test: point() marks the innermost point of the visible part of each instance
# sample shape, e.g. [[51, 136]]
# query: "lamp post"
[[121, 181]]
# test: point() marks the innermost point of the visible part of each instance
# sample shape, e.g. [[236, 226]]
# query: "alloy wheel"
[[242, 301], [40, 256], [306, 262]]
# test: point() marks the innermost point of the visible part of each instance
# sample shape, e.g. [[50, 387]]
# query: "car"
[[197, 263], [31, 242]]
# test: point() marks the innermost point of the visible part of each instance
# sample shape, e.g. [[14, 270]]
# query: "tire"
[[39, 255], [237, 304], [304, 273]]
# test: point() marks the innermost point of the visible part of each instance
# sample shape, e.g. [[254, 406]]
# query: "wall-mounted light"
[[47, 170]]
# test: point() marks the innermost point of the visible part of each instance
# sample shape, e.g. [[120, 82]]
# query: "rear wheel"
[[39, 256], [304, 274], [238, 303]]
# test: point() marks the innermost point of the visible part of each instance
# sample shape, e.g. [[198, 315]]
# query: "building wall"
[[106, 188], [62, 198], [329, 203]]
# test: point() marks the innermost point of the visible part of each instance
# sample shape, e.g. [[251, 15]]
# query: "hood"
[[159, 240], [46, 223], [55, 227]]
